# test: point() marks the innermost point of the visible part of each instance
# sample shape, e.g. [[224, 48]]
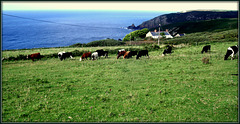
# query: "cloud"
[[122, 5]]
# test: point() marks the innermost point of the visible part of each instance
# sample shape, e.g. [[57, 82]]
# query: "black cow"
[[102, 53], [132, 53], [167, 51], [231, 51], [64, 55], [142, 53], [206, 49]]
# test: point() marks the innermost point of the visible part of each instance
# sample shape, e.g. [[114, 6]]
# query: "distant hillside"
[[201, 26], [192, 16]]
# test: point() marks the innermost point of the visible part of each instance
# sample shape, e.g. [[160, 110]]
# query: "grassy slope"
[[201, 26], [176, 88]]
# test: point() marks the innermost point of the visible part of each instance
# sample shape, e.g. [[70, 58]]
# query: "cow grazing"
[[94, 56], [102, 53], [167, 51], [132, 53], [231, 51], [206, 49], [121, 54], [142, 53], [85, 56], [34, 56], [64, 55], [120, 50], [126, 55]]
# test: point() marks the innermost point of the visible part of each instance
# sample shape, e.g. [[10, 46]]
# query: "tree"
[[136, 34]]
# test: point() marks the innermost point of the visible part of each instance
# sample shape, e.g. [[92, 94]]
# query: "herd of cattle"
[[231, 51]]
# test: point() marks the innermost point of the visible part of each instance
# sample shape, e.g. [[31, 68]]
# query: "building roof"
[[181, 34], [157, 33]]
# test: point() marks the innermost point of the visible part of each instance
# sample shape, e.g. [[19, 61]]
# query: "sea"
[[44, 29]]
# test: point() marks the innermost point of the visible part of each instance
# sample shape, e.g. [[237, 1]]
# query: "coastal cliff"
[[192, 16]]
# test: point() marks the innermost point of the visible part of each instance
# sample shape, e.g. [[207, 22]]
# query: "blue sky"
[[177, 6]]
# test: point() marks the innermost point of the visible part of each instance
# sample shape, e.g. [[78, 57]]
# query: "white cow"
[[94, 56]]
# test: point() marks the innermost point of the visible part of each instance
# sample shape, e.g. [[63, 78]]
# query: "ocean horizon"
[[45, 29]]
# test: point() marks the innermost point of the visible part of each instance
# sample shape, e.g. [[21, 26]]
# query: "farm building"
[[154, 34]]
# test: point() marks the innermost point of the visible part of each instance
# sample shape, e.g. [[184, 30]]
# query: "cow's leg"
[[232, 56]]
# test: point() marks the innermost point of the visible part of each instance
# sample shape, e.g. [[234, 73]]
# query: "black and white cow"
[[167, 51], [94, 56], [142, 53], [102, 53], [231, 51], [64, 55], [206, 49]]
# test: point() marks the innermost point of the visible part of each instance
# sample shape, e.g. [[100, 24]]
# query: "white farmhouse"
[[154, 34]]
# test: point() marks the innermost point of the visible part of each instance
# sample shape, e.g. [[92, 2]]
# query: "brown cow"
[[121, 54], [85, 55], [126, 55], [34, 56]]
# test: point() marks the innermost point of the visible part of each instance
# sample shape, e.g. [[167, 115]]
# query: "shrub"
[[21, 57], [136, 35], [151, 47], [78, 45], [77, 53], [107, 42]]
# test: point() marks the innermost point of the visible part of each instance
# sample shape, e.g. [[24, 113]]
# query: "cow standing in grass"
[[126, 55], [142, 53], [102, 53], [64, 55], [132, 53], [167, 51], [94, 56], [206, 49], [85, 56], [121, 54], [34, 56], [231, 51], [120, 50]]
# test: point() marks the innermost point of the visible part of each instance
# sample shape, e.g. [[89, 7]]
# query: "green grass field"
[[173, 88]]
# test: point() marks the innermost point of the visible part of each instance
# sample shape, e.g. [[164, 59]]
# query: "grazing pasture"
[[174, 88]]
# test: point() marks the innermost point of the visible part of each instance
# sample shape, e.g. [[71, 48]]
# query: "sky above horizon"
[[178, 6]]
